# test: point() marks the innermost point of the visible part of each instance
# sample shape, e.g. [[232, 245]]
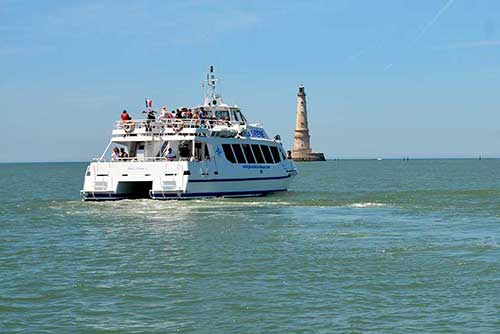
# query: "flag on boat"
[[149, 103]]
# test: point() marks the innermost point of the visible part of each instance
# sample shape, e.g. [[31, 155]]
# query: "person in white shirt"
[[115, 155], [163, 114]]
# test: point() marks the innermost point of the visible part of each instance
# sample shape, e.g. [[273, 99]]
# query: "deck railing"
[[173, 123], [141, 159]]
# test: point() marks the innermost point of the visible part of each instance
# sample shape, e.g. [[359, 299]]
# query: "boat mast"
[[211, 97]]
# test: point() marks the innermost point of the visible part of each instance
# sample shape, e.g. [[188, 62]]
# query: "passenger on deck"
[[123, 154], [170, 155], [178, 114], [115, 154], [164, 114], [125, 116], [171, 115], [150, 117], [150, 114], [212, 120]]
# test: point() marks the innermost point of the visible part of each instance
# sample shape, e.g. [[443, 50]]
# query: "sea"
[[355, 246]]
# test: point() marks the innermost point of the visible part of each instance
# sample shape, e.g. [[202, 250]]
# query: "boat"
[[215, 152]]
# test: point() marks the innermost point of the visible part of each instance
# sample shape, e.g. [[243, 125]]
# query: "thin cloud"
[[431, 23], [426, 28], [365, 49]]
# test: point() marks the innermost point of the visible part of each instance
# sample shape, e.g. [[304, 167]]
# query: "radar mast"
[[211, 96]]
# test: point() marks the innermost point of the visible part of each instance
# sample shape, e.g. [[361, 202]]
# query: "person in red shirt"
[[125, 116]]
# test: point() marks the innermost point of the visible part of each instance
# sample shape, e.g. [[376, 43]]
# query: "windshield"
[[222, 114]]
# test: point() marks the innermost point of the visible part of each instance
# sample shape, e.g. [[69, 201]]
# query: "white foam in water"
[[367, 205]]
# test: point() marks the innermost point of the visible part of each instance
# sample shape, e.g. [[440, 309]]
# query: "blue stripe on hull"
[[159, 195], [242, 179]]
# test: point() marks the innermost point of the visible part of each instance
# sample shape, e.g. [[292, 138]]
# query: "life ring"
[[129, 127], [178, 126]]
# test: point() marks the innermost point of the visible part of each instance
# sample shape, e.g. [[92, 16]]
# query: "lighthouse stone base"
[[310, 156]]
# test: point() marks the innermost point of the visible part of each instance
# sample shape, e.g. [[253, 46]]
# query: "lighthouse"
[[302, 139]]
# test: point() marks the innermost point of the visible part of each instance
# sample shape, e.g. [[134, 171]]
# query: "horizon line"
[[406, 158]]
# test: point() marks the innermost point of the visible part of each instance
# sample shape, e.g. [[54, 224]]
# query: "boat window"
[[207, 154], [242, 117], [228, 152], [198, 151], [201, 151], [267, 154], [258, 154], [184, 149], [139, 151], [234, 116], [283, 155], [222, 114], [275, 153], [239, 153], [207, 114], [248, 153], [163, 150]]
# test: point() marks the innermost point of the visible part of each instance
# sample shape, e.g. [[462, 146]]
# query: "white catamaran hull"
[[182, 179]]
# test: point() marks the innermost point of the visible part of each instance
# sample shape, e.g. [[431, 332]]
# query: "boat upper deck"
[[144, 129], [202, 134], [213, 118]]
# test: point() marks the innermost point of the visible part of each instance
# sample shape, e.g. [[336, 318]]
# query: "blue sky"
[[383, 78]]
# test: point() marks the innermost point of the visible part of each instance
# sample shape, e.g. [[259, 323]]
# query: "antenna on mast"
[[211, 97], [211, 82]]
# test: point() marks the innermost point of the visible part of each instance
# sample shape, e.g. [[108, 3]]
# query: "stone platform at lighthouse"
[[311, 156], [302, 139]]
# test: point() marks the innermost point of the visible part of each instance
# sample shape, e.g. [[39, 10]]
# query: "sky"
[[383, 78]]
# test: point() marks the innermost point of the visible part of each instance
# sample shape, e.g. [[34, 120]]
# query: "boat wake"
[[367, 205]]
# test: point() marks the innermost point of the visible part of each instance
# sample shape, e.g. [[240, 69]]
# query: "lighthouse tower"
[[302, 139]]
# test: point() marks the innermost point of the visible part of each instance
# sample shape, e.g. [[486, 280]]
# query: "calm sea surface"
[[354, 247]]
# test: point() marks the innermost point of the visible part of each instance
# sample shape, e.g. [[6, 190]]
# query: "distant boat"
[[379, 159]]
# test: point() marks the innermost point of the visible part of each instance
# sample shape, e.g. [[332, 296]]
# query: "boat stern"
[[131, 180]]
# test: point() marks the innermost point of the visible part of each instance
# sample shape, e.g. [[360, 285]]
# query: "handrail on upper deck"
[[174, 123], [144, 159]]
